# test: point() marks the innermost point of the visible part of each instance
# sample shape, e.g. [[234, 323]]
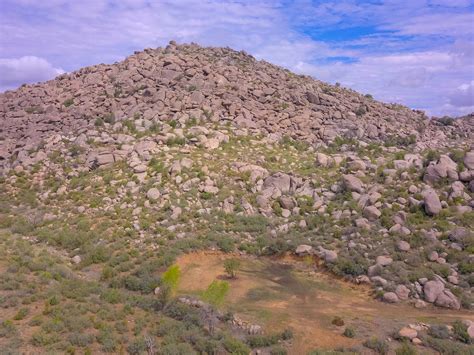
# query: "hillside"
[[179, 83], [111, 176]]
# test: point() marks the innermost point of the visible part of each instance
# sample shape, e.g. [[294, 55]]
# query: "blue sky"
[[419, 52]]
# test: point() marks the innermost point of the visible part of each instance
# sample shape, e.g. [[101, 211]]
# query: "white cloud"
[[29, 69]]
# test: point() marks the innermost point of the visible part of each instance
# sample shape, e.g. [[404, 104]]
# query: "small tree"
[[231, 266]]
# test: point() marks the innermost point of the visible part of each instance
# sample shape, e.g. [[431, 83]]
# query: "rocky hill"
[[183, 82], [110, 173]]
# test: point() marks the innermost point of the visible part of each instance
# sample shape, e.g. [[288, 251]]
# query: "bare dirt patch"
[[284, 293]]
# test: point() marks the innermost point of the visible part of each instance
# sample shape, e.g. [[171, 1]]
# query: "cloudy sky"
[[417, 52]]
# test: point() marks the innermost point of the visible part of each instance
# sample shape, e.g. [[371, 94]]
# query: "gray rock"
[[303, 249], [372, 213], [352, 183], [402, 292], [469, 160], [432, 203], [432, 289], [383, 260], [390, 297], [447, 299], [153, 194], [403, 246]]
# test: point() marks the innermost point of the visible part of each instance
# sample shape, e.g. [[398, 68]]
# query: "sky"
[[419, 53]]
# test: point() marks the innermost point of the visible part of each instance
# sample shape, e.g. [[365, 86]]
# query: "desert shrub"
[[460, 331], [344, 266], [97, 254], [80, 339], [349, 332], [234, 346], [405, 349], [439, 331], [278, 350], [441, 269], [338, 321], [377, 345], [431, 155], [137, 346], [42, 338], [21, 314], [231, 266], [216, 292], [260, 341], [447, 347], [142, 283], [7, 329], [171, 277], [108, 340], [111, 296], [177, 349], [466, 267], [99, 122], [68, 102], [446, 120], [176, 141], [362, 110], [226, 244]]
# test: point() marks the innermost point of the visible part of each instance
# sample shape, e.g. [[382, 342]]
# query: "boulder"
[[303, 249], [447, 299], [383, 260], [329, 256], [279, 181], [403, 246], [432, 203], [372, 213], [469, 160], [390, 297], [432, 289], [153, 194], [352, 183], [407, 332], [402, 292]]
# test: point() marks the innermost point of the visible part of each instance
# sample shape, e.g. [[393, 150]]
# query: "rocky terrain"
[[109, 173]]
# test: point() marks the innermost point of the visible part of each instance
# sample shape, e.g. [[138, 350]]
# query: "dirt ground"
[[285, 293]]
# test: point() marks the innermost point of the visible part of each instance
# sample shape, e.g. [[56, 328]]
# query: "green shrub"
[[21, 314], [405, 349], [216, 292], [439, 331], [234, 346], [278, 350], [460, 331], [349, 332], [377, 345], [226, 244], [68, 102], [80, 339], [171, 277], [231, 266], [137, 347]]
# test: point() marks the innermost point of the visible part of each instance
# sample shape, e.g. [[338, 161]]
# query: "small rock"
[[303, 249], [153, 194], [407, 332], [403, 246], [383, 260], [390, 297]]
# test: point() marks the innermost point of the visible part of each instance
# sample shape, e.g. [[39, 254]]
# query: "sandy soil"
[[284, 293]]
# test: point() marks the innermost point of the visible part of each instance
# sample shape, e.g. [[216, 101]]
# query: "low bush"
[[377, 345]]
